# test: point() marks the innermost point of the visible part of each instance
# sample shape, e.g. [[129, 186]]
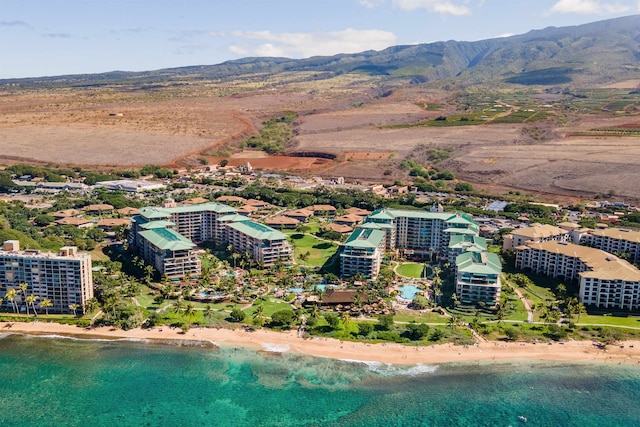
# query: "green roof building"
[[265, 244], [169, 253], [478, 278], [363, 252]]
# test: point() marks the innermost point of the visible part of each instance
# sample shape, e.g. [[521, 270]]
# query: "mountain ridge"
[[597, 52]]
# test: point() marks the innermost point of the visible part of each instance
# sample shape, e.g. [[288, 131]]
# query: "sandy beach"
[[266, 340]]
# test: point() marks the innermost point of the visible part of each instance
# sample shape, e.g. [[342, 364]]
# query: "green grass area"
[[311, 251], [269, 307], [428, 317], [629, 321], [411, 269]]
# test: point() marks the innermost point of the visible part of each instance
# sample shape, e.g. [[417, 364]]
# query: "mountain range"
[[594, 53]]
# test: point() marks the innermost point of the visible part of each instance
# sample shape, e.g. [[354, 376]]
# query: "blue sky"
[[53, 37]]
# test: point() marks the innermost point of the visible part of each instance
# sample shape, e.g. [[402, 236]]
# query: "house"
[[349, 219], [339, 228], [109, 224], [99, 208], [232, 200], [282, 222], [301, 215], [66, 214], [127, 211], [322, 210], [76, 222]]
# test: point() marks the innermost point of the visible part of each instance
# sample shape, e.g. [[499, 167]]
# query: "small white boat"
[[522, 418]]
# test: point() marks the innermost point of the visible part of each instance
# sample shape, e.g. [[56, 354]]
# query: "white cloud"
[[589, 7], [438, 6], [238, 50], [304, 45], [370, 4]]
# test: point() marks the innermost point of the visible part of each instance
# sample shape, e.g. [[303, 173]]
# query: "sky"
[[57, 37]]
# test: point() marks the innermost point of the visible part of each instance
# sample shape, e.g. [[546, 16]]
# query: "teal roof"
[[151, 213], [257, 230], [166, 239], [469, 231], [468, 242], [375, 225], [157, 224], [232, 218], [365, 238], [459, 218], [381, 214], [211, 207], [482, 263]]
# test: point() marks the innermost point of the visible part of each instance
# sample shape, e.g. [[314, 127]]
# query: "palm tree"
[[208, 313], [31, 300], [11, 296], [148, 273], [75, 308], [346, 320], [1, 301], [189, 309], [178, 306], [453, 321], [23, 288], [90, 305], [46, 303], [259, 313]]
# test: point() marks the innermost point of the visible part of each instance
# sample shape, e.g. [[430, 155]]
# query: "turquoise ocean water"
[[65, 382]]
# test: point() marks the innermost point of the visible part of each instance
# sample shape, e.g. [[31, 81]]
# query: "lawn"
[[411, 269], [629, 321], [269, 307], [314, 251]]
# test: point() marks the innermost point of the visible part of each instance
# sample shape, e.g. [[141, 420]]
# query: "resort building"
[[605, 280], [165, 236], [265, 245], [462, 243], [478, 278], [64, 278], [615, 241], [422, 234], [169, 253], [538, 233], [362, 253]]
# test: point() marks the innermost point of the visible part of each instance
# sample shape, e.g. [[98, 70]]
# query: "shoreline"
[[288, 342]]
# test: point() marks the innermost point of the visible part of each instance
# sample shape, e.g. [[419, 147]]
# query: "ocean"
[[55, 381]]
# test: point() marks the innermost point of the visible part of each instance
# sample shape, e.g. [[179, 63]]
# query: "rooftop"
[[539, 231], [603, 265], [167, 239], [484, 263], [618, 233], [365, 238], [257, 230]]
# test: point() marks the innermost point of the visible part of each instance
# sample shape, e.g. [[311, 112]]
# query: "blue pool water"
[[408, 291]]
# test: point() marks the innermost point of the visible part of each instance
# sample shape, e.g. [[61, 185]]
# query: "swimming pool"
[[408, 291]]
